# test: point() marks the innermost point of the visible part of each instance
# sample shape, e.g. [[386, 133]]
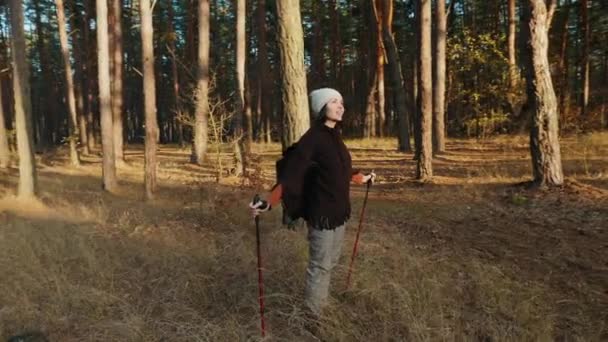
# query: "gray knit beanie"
[[320, 97]]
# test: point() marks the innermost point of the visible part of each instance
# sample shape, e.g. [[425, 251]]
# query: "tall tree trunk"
[[241, 148], [544, 141], [424, 169], [105, 108], [117, 79], [416, 119], [175, 79], [585, 57], [439, 81], [28, 183], [265, 91], [147, 39], [513, 72], [378, 11], [5, 153], [397, 80], [69, 82], [202, 88], [79, 82], [296, 117]]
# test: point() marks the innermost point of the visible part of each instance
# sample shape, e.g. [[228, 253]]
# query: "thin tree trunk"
[[147, 39], [28, 183], [296, 119], [513, 72], [72, 121], [397, 80], [544, 141], [202, 88], [416, 86], [585, 58], [439, 81], [117, 79], [240, 143], [378, 11], [79, 81], [5, 152], [424, 169], [105, 108]]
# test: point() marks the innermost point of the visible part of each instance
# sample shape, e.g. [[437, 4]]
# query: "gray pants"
[[324, 252]]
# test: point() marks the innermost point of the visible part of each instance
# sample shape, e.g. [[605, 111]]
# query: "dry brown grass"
[[468, 256]]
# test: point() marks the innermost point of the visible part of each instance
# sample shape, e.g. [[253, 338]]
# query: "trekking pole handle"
[[369, 182]]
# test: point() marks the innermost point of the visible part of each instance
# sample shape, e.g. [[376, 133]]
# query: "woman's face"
[[334, 110]]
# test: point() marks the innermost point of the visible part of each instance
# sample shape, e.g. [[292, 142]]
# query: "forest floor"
[[470, 256]]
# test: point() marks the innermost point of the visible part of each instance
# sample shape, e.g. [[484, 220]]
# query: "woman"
[[320, 171]]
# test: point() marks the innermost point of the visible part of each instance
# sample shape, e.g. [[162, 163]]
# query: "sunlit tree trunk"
[[117, 79], [424, 169], [105, 108], [296, 118], [28, 183], [439, 81], [72, 121], [147, 39], [202, 88], [544, 140]]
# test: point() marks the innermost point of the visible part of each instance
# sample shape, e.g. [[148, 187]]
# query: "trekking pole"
[[260, 277], [352, 258]]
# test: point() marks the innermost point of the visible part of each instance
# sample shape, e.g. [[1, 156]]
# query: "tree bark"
[[240, 134], [147, 39], [585, 57], [544, 141], [202, 88], [79, 81], [513, 72], [296, 117], [397, 80], [5, 153], [105, 108], [380, 51], [439, 81], [117, 79], [424, 169], [72, 120], [28, 182]]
